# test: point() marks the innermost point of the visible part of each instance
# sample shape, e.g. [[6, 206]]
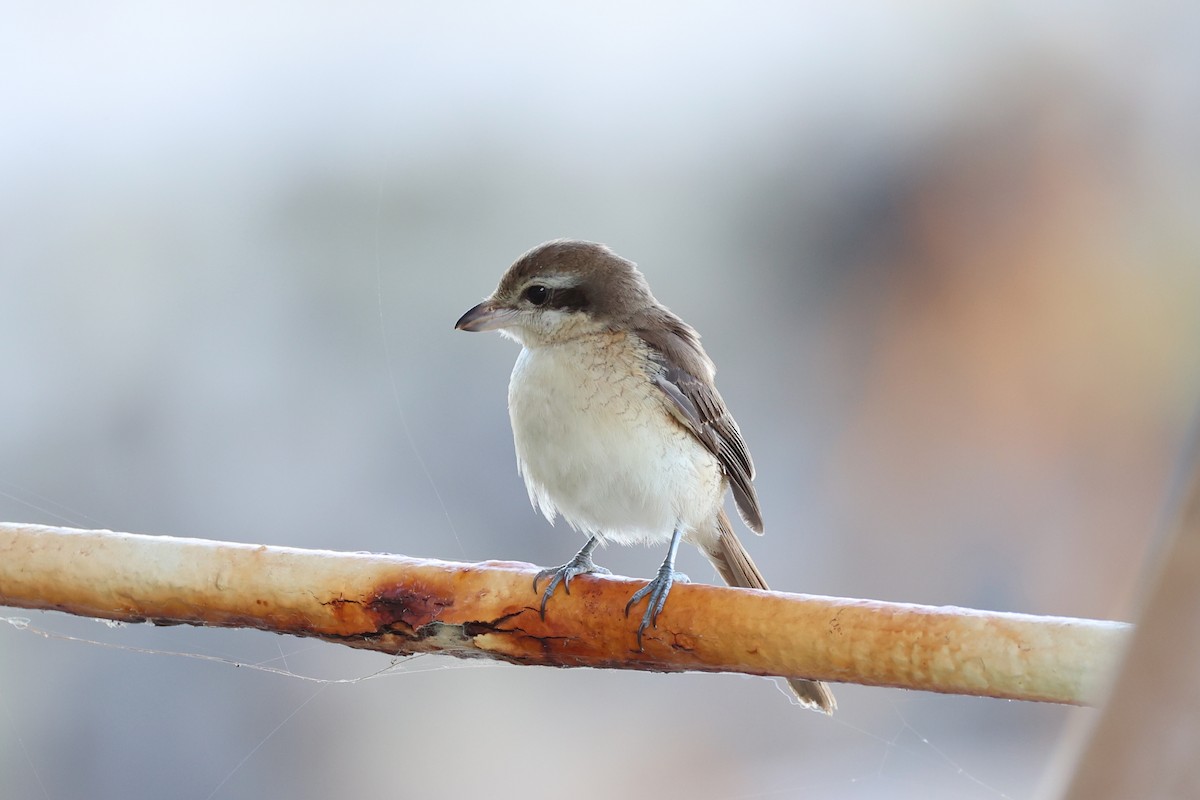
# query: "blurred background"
[[945, 257]]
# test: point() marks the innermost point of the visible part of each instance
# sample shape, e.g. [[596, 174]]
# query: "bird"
[[618, 424]]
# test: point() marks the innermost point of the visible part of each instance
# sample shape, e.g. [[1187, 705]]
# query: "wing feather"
[[685, 376]]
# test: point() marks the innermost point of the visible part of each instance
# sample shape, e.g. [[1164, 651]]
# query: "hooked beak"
[[484, 317]]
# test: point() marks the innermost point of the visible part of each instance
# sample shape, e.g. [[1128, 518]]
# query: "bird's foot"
[[657, 591], [581, 564]]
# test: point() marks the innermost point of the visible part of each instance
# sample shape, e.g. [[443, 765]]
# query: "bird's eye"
[[537, 294]]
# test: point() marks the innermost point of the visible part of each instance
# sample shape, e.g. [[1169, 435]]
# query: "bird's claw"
[[581, 564], [657, 590]]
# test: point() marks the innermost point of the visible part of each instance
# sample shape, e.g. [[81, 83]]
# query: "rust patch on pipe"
[[412, 605]]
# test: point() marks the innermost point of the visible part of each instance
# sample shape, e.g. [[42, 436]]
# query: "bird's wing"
[[685, 376]]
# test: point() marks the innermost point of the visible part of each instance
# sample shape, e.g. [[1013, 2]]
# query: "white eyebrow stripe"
[[556, 281]]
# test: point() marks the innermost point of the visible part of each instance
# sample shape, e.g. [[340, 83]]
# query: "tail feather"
[[738, 569]]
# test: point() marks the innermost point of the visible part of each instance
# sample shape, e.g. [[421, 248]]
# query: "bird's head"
[[559, 291]]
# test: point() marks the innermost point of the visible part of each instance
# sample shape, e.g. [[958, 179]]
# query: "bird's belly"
[[604, 452]]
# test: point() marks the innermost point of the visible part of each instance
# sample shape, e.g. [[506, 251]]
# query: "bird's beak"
[[484, 317]]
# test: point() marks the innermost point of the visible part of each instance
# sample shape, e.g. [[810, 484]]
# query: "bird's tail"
[[738, 569]]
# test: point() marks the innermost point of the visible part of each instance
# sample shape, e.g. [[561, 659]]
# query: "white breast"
[[596, 444]]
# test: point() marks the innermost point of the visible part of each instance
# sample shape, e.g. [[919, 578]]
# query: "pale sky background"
[[944, 257]]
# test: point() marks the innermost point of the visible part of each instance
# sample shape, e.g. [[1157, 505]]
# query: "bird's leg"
[[658, 589], [581, 564]]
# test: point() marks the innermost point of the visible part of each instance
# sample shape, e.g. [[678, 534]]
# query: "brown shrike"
[[617, 421]]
